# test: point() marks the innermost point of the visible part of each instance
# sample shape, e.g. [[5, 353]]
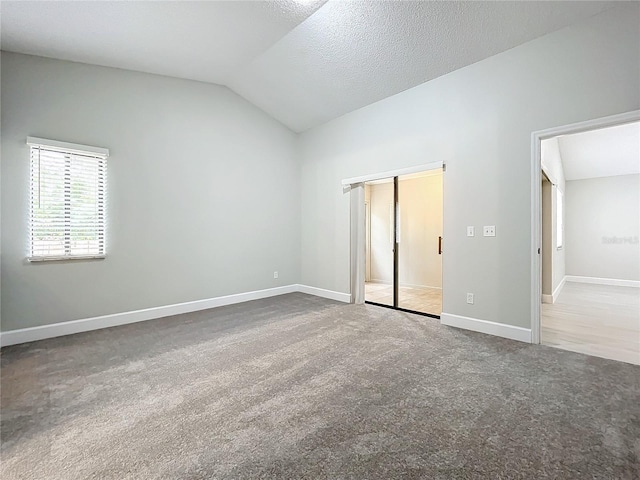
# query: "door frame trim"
[[536, 210], [393, 173], [396, 234]]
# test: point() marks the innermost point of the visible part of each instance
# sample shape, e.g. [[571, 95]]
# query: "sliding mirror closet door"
[[379, 205], [420, 242]]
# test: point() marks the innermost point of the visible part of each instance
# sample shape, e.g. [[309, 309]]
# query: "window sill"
[[65, 258]]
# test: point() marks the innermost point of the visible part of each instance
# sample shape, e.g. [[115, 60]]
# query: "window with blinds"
[[67, 202]]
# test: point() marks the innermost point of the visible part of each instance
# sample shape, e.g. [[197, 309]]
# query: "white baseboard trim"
[[603, 281], [321, 292], [556, 293], [483, 326], [411, 285], [24, 335]]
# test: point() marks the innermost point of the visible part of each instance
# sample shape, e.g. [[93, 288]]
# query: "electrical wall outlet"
[[275, 274], [470, 298], [471, 231], [489, 231]]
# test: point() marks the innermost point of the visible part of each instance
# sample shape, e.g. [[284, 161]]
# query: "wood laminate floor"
[[599, 320], [420, 299]]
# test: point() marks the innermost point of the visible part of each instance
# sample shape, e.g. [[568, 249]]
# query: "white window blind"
[[67, 202]]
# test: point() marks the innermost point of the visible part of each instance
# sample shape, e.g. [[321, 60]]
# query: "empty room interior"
[[319, 239], [590, 250]]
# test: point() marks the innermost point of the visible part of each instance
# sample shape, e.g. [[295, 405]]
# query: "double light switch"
[[487, 231]]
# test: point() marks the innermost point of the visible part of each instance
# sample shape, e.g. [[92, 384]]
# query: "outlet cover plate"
[[489, 231]]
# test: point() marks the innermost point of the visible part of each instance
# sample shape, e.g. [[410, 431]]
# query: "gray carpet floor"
[[302, 387]]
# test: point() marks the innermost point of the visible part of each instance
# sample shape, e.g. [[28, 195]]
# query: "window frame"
[[69, 150]]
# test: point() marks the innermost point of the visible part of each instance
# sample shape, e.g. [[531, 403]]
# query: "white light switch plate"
[[489, 231], [471, 231]]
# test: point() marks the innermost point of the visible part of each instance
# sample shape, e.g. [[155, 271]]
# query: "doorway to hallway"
[[586, 231]]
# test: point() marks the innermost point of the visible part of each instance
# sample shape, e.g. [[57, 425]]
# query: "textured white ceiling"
[[207, 40], [350, 54], [601, 153], [302, 61]]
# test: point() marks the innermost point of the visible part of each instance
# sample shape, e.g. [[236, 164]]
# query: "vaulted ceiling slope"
[[304, 62]]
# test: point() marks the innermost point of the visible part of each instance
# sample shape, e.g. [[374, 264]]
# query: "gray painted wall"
[[202, 190], [602, 226], [479, 121], [204, 187]]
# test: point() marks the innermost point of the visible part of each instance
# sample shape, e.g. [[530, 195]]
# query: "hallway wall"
[[602, 227]]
